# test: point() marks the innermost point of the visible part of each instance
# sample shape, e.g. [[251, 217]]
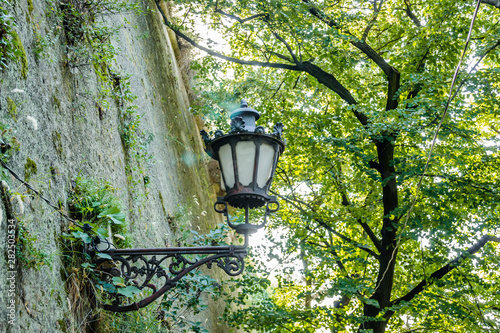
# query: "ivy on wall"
[[11, 48]]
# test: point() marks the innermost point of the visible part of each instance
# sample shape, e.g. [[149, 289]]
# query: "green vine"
[[11, 47], [12, 145], [26, 252]]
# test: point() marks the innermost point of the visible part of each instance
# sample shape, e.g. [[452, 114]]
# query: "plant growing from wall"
[[26, 252], [8, 49], [100, 212], [95, 205], [89, 42], [88, 39], [10, 141]]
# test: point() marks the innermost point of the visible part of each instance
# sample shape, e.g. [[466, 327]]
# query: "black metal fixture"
[[247, 157]]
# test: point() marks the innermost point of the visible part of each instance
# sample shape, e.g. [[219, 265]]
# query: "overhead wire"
[[96, 241], [40, 195]]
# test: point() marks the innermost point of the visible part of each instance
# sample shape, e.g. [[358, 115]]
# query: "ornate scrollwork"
[[260, 130], [205, 137], [158, 270], [232, 265], [278, 130], [237, 125]]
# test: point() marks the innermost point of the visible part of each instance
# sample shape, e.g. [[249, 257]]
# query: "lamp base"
[[241, 200], [246, 228]]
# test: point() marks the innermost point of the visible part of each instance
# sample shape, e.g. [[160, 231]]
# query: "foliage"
[[9, 50], [188, 298], [88, 41], [94, 203], [26, 252], [6, 135], [361, 88], [143, 320]]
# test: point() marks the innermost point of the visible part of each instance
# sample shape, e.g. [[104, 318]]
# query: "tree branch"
[[271, 52], [278, 37], [393, 76], [330, 248], [410, 14], [236, 18], [495, 3], [376, 11], [347, 239], [346, 203], [217, 54], [437, 275], [296, 202], [323, 77], [333, 84]]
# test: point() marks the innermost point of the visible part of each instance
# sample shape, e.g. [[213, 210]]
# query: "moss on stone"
[[22, 59], [12, 108], [56, 138], [30, 6], [62, 325], [30, 169], [163, 205], [56, 101]]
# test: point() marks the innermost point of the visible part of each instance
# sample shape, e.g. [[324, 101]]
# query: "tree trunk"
[[388, 254]]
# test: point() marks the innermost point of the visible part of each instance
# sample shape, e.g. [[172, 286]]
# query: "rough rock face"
[[67, 97]]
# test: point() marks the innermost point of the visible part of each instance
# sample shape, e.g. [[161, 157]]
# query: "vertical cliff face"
[[96, 93]]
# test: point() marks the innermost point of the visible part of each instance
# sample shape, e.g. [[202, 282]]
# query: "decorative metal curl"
[[205, 137], [232, 265], [260, 130], [237, 125], [278, 130], [142, 267]]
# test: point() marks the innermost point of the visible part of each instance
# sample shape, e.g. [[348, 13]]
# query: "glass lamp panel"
[[245, 158], [226, 165], [266, 161]]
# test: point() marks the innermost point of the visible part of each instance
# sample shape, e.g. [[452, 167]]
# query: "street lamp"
[[247, 157]]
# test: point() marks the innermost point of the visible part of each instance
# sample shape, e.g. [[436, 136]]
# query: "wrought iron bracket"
[[138, 267], [144, 268]]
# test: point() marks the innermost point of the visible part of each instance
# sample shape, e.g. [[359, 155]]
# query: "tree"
[[362, 87]]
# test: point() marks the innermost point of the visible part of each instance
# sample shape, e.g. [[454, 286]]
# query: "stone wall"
[[61, 104]]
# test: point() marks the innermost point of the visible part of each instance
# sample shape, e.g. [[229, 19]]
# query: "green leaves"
[[128, 291], [347, 186], [104, 255], [95, 204], [82, 235], [114, 214], [10, 50]]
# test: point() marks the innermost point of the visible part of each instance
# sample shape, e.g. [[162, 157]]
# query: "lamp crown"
[[248, 115]]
